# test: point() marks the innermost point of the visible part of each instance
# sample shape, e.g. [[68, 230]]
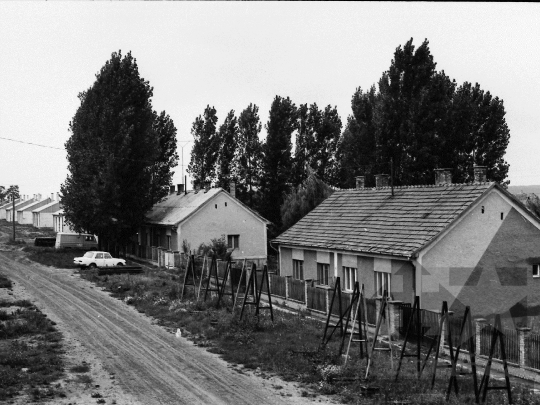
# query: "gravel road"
[[150, 365]]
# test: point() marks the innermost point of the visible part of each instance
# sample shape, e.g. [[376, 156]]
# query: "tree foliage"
[[247, 162], [205, 151], [421, 120], [277, 160], [303, 199], [120, 154], [228, 138]]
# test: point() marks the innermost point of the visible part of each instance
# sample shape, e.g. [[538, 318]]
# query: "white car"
[[98, 259]]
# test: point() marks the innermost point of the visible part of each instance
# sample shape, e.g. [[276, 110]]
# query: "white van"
[[84, 241]]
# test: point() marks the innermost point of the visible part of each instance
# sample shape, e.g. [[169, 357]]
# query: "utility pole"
[[13, 215]]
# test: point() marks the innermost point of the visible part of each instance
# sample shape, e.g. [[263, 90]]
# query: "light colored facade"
[[5, 205], [25, 214], [23, 203], [59, 222], [474, 245], [198, 217], [43, 216]]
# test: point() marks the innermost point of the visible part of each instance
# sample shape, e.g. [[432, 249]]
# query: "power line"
[[33, 144]]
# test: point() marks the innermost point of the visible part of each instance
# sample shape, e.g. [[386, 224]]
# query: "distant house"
[[59, 222], [21, 204], [43, 217], [5, 205], [468, 244], [199, 216], [25, 214]]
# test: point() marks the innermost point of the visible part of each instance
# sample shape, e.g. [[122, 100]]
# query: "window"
[[349, 275], [298, 269], [536, 270], [225, 203], [107, 256], [382, 283], [168, 242], [233, 241], [322, 273], [99, 255]]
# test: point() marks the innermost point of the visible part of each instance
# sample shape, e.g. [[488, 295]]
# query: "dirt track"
[[151, 366]]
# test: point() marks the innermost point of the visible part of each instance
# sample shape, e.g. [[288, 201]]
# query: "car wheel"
[[119, 264], [92, 265]]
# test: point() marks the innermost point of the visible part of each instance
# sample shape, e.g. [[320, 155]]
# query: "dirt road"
[[148, 364]]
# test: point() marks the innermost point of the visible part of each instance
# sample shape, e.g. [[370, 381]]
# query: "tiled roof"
[[177, 207], [372, 221]]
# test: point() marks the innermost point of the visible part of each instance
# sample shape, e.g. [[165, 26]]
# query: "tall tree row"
[[419, 119], [416, 119]]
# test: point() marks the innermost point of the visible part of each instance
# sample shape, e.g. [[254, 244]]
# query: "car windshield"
[[89, 254]]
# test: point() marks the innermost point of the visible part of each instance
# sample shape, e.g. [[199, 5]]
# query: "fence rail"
[[511, 343], [297, 290], [316, 299], [278, 285], [532, 358]]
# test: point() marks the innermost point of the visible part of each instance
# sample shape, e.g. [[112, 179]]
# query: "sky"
[[231, 54]]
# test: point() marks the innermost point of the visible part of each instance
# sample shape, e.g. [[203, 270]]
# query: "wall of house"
[[224, 216], [25, 216], [484, 262], [401, 271]]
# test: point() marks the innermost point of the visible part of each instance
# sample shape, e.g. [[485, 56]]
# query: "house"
[[25, 214], [43, 216], [5, 205], [21, 204], [201, 215], [59, 222], [468, 244]]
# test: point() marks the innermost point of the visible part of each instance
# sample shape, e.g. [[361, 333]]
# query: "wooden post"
[[287, 278], [394, 316], [306, 285]]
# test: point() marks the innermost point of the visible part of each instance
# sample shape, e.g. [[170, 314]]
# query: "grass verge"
[[60, 258], [288, 347]]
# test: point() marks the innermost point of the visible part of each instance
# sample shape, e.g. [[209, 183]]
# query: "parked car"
[[98, 259], [84, 241]]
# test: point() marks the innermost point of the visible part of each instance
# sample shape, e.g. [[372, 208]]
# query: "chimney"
[[207, 185], [232, 189], [479, 174], [381, 180], [52, 196], [180, 188], [360, 182], [443, 176], [171, 189]]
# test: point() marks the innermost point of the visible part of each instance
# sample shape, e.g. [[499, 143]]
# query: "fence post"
[[287, 278], [327, 296], [522, 334], [306, 285], [479, 325], [395, 315]]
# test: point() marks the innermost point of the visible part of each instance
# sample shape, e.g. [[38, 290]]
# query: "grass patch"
[[80, 368], [5, 282], [30, 353], [84, 379], [25, 231], [60, 258], [288, 347]]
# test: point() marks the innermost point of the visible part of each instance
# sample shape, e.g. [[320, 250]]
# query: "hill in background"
[[524, 189]]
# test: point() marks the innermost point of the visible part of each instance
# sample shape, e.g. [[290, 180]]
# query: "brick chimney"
[[360, 182], [52, 196], [480, 174], [381, 180], [171, 189], [443, 176], [232, 189], [180, 188]]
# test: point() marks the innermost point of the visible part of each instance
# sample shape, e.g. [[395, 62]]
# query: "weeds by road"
[[30, 351], [288, 347]]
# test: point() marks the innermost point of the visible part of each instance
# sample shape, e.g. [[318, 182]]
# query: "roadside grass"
[[60, 258], [5, 282], [288, 347], [25, 231], [30, 353]]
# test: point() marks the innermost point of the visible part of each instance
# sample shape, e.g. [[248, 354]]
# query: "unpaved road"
[[149, 365]]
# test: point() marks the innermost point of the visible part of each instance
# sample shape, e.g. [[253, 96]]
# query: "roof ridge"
[[419, 186]]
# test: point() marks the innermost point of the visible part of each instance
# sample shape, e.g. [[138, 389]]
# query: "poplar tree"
[[206, 143], [120, 154], [228, 138]]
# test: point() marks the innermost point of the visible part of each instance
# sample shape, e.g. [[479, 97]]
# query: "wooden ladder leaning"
[[359, 336], [253, 293], [384, 314]]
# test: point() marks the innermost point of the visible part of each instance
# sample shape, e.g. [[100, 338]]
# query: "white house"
[[199, 216], [21, 204], [25, 214], [43, 216]]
